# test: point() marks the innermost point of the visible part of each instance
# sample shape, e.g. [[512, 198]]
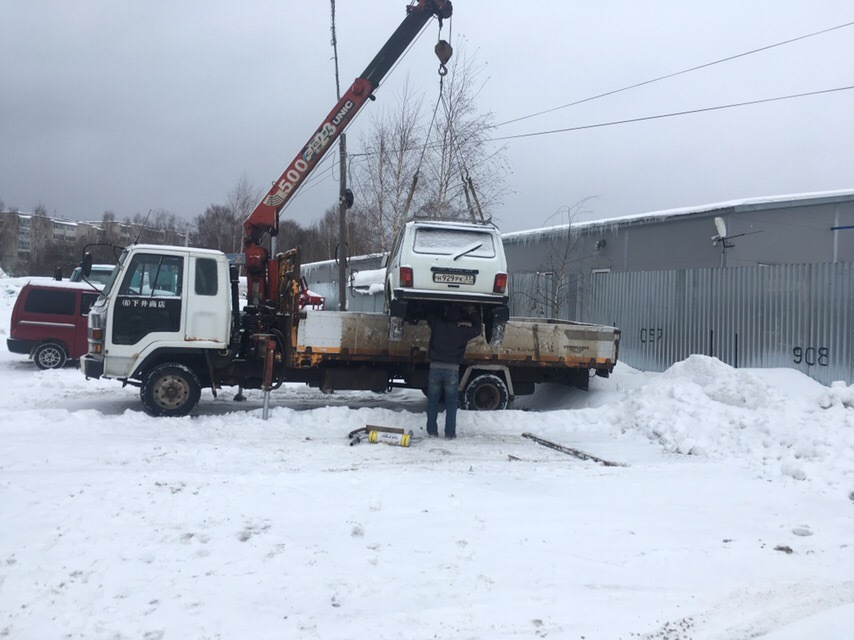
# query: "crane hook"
[[444, 51]]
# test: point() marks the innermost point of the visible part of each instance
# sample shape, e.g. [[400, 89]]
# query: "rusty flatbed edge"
[[348, 336]]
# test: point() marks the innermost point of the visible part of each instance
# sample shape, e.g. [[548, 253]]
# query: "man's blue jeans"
[[437, 380]]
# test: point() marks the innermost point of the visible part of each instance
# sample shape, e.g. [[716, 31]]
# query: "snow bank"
[[781, 423]]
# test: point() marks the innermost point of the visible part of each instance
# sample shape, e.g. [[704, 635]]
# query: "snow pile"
[[369, 281], [9, 290], [118, 525], [779, 422], [839, 393]]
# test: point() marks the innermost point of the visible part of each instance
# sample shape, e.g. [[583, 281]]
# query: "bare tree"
[[9, 241], [42, 260], [459, 147], [555, 281], [445, 151], [386, 167], [214, 229], [325, 241], [242, 200]]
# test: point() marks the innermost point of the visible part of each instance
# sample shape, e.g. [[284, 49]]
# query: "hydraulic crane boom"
[[261, 272]]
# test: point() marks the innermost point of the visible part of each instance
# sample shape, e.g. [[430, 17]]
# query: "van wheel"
[[50, 355], [170, 390], [486, 392]]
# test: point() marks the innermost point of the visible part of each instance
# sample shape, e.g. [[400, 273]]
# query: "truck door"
[[149, 299], [207, 300]]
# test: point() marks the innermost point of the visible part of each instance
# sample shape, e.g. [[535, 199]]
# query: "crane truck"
[[170, 320]]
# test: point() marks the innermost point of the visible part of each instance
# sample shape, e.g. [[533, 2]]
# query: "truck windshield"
[[112, 280]]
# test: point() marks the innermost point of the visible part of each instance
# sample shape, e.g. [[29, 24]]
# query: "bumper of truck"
[[91, 367]]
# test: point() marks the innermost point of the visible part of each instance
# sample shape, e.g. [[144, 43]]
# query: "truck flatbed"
[[349, 336]]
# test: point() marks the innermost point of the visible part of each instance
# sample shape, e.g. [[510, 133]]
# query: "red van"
[[49, 322]]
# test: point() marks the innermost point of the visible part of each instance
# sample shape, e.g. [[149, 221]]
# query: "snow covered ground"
[[732, 519]]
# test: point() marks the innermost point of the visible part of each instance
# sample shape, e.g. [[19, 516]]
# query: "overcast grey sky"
[[127, 106]]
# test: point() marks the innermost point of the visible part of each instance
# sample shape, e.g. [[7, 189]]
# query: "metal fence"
[[798, 316]]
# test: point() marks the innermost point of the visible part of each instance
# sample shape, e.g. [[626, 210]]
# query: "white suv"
[[99, 274], [435, 263]]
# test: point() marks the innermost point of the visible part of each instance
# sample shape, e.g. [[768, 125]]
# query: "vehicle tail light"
[[406, 277], [500, 285], [97, 334]]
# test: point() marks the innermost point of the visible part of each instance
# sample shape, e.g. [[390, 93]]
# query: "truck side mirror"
[[86, 264], [57, 273]]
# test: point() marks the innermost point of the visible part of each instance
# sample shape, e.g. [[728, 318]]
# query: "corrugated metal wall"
[[543, 295], [797, 316]]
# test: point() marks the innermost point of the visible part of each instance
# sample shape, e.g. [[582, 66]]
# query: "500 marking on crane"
[[315, 146]]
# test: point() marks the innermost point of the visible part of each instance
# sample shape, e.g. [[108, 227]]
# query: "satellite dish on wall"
[[720, 225]]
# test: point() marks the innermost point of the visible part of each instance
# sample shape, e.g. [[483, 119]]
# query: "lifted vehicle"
[[440, 263]]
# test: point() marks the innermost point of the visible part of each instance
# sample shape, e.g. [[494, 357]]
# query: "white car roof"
[[453, 224]]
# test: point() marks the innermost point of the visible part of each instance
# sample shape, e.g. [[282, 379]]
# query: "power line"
[[673, 114], [677, 73]]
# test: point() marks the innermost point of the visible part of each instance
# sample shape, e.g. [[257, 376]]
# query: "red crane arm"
[[264, 219]]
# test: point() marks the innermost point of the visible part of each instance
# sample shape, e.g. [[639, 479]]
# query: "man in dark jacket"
[[450, 332]]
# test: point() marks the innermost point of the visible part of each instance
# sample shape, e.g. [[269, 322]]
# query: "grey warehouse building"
[[764, 282], [760, 282], [810, 228]]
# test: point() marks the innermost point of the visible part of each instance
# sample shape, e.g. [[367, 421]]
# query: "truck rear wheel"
[[486, 392], [170, 390]]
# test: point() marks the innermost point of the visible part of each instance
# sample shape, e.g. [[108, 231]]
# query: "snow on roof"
[[367, 277], [321, 263], [369, 281], [44, 281], [759, 202]]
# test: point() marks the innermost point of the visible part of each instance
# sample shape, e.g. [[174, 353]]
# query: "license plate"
[[454, 278]]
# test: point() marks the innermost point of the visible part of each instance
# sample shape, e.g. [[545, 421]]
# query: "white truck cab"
[[144, 309], [439, 263]]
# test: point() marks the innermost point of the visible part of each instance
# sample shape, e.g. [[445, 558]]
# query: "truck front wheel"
[[170, 390], [486, 392]]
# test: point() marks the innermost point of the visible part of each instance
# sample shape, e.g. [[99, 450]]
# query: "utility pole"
[[342, 226], [343, 246]]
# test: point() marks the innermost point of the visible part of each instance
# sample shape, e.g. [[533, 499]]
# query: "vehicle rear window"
[[446, 242], [61, 303], [206, 283]]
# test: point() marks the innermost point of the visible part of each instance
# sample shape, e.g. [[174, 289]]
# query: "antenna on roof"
[[722, 238], [142, 226], [720, 225]]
